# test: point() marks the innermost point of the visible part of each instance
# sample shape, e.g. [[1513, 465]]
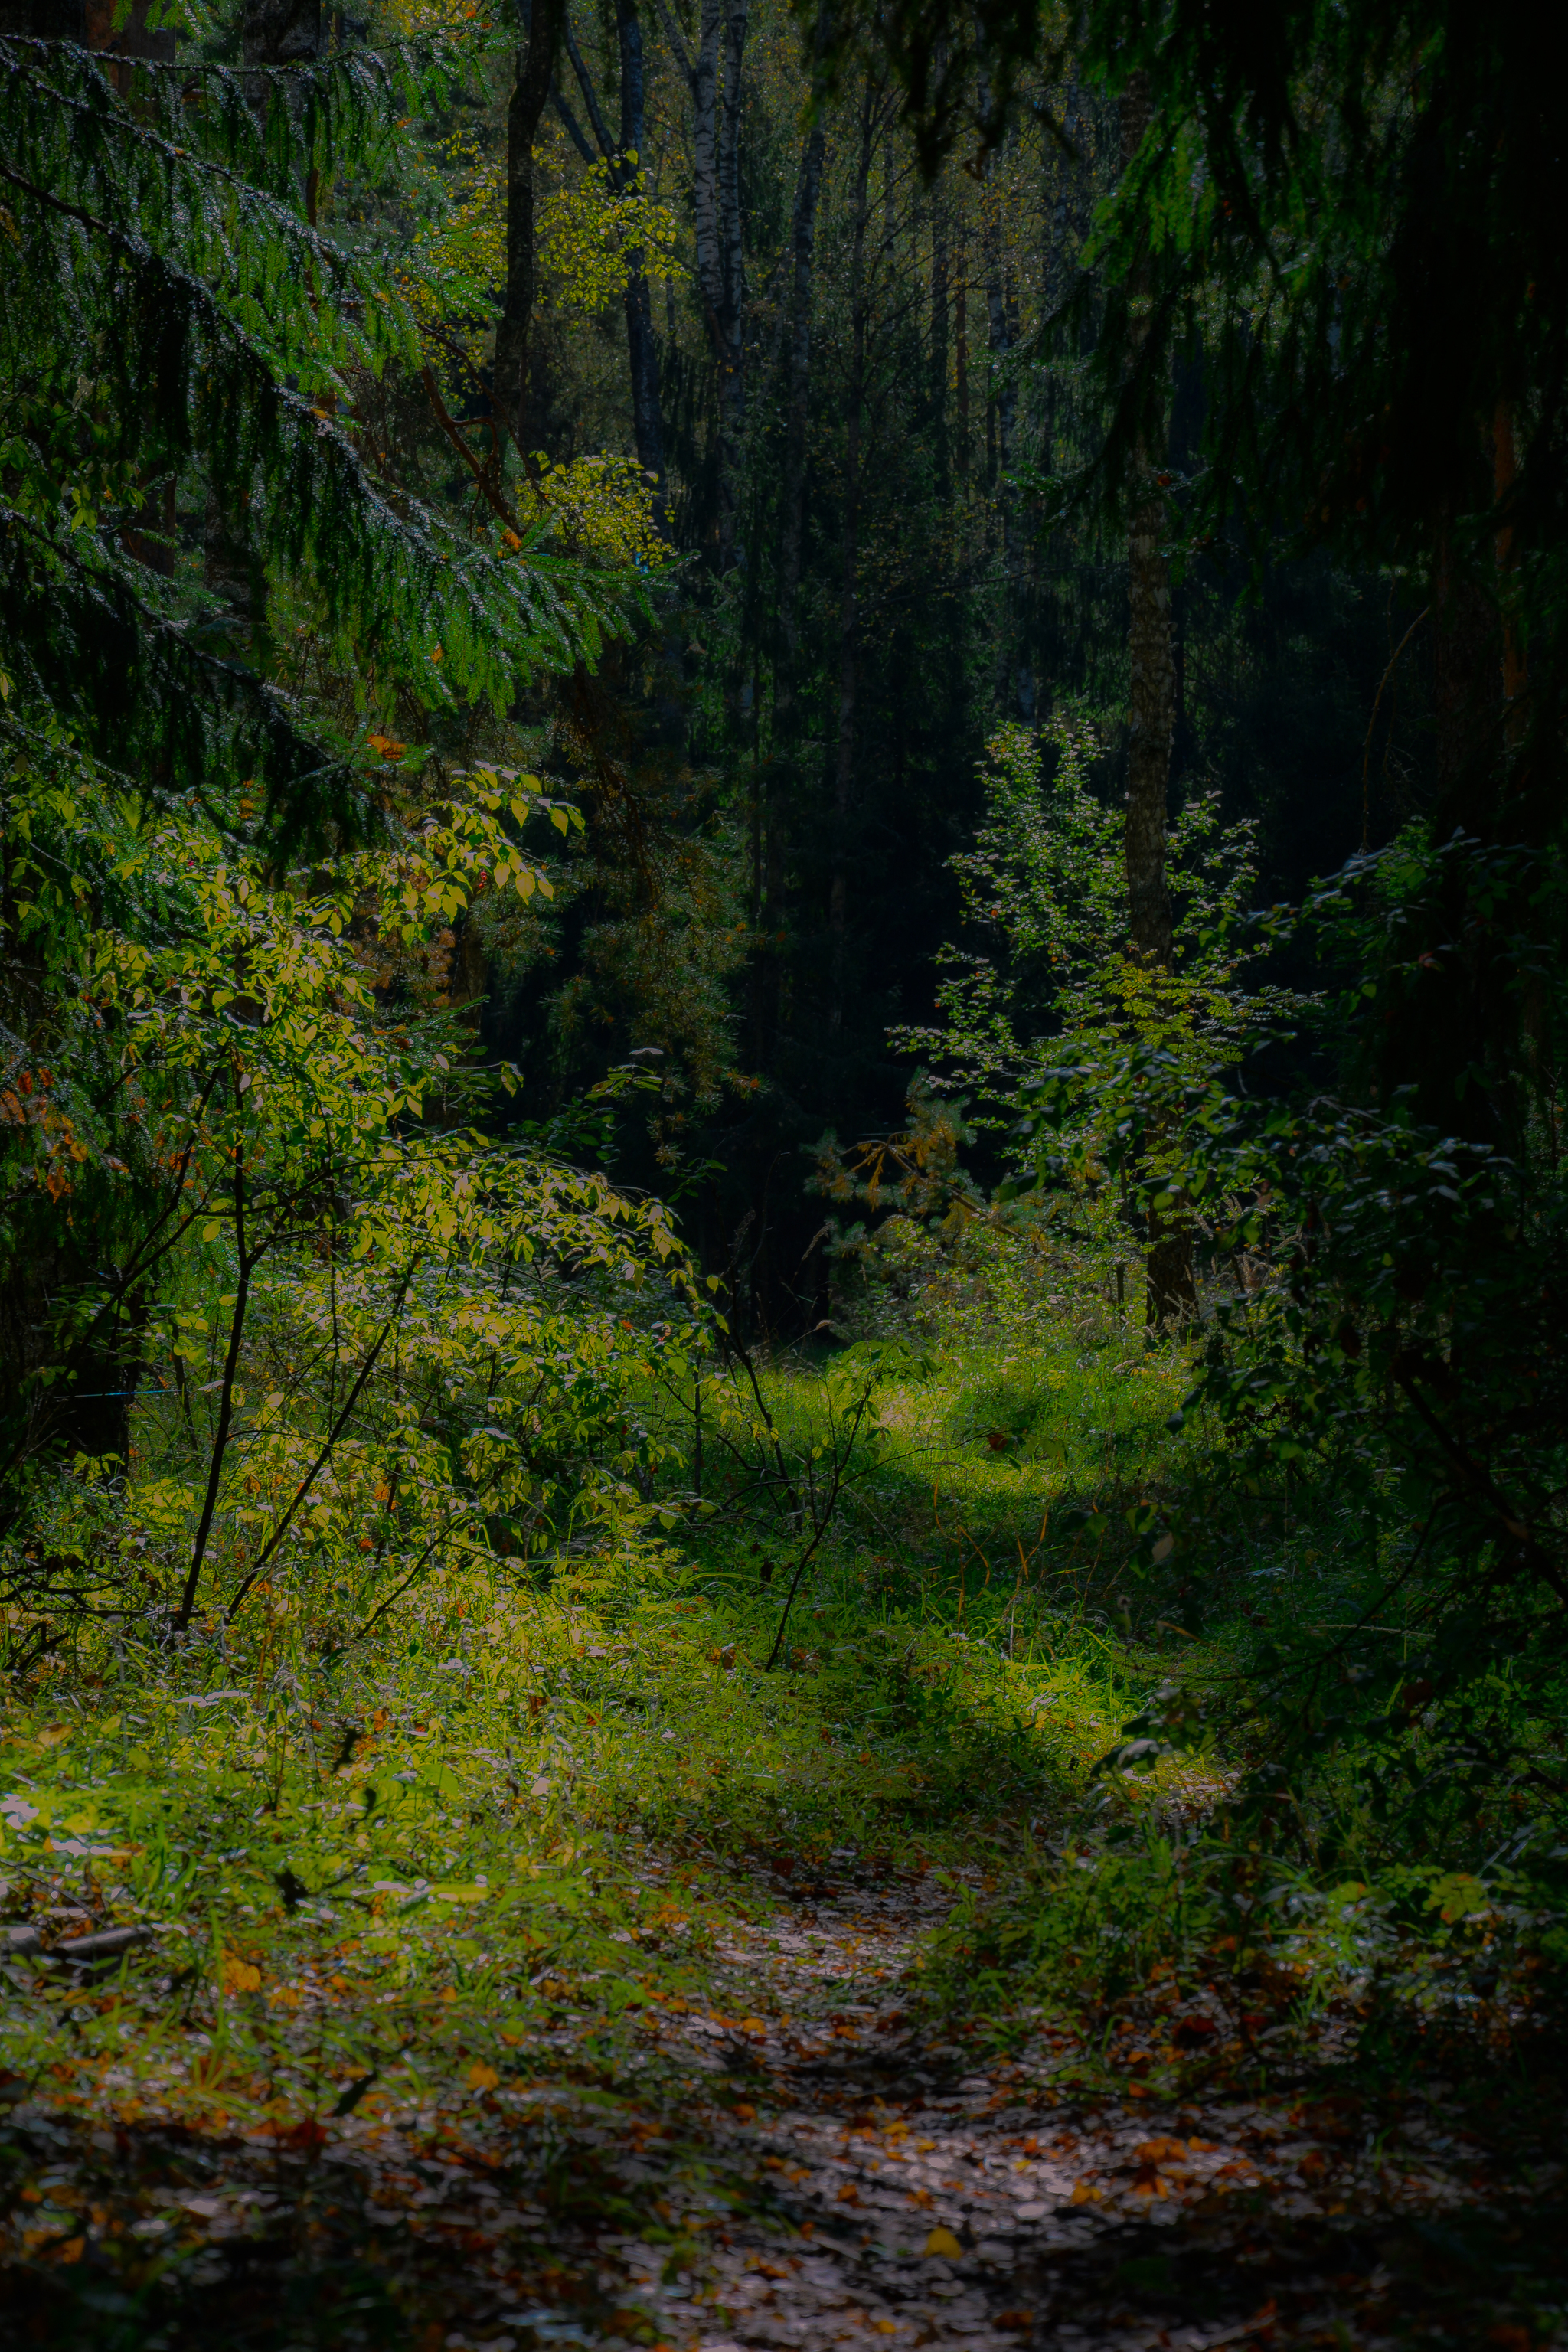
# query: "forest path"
[[895, 2198], [795, 2158]]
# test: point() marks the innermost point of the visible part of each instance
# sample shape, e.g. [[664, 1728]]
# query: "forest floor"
[[548, 1973]]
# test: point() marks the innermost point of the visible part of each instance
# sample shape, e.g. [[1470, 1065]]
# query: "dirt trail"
[[899, 2200], [796, 2163]]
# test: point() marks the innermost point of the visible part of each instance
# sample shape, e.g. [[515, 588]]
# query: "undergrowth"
[[379, 1885]]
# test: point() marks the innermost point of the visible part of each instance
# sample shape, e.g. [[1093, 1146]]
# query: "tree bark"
[[772, 802], [1001, 416], [939, 306], [1505, 475], [277, 33], [1002, 398], [850, 559], [716, 197], [642, 352], [1152, 696], [791, 522], [731, 314], [627, 161], [542, 23], [281, 32], [1151, 724], [961, 353]]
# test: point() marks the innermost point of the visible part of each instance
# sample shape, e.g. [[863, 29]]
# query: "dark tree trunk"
[[850, 563], [642, 352], [1066, 168], [961, 355], [530, 95], [1003, 397], [939, 294], [732, 315], [1001, 416], [628, 167], [773, 805], [791, 527], [1471, 666], [1152, 696], [281, 32], [714, 77], [277, 33], [1151, 722], [132, 39]]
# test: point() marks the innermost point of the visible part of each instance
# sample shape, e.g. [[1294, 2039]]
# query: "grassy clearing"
[[507, 1820]]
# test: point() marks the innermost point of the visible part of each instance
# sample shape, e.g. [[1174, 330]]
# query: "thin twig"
[[332, 1438]]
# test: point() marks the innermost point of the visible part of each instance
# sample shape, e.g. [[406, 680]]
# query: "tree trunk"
[[642, 354], [961, 353], [131, 39], [731, 281], [772, 810], [277, 33], [808, 190], [1151, 722], [716, 204], [1065, 166], [939, 337], [702, 78], [1003, 396], [1001, 414], [1151, 696], [530, 95], [1505, 475], [849, 557]]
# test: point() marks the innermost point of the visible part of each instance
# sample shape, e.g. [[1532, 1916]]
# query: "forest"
[[784, 1239]]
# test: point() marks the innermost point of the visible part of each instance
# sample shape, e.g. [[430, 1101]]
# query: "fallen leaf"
[[943, 2241], [482, 2077], [1191, 2031]]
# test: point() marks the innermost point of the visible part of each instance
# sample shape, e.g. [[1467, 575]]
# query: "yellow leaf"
[[240, 1975], [943, 2241], [482, 2077]]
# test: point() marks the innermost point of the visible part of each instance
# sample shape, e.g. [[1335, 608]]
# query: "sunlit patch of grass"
[[509, 1826]]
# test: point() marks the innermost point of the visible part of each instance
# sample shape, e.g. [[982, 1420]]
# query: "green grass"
[[516, 1810], [479, 1847]]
